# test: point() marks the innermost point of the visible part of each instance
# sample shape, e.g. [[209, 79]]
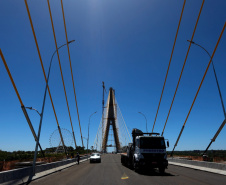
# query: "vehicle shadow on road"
[[153, 173]]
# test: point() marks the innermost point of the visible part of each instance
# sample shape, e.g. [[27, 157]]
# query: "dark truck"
[[148, 150]]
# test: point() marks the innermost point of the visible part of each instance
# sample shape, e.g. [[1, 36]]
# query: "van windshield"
[[152, 143], [95, 154]]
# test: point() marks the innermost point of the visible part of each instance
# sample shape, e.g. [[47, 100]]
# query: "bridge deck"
[[110, 171]]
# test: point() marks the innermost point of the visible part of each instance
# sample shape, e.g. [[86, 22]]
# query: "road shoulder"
[[211, 170]]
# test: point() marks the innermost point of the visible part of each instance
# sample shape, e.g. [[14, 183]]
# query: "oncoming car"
[[95, 157]]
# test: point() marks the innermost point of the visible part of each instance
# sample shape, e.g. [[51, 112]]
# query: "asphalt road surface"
[[111, 172]]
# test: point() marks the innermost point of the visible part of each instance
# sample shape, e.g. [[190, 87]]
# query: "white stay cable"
[[124, 123]]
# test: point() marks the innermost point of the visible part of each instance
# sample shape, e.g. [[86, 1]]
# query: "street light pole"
[[218, 86], [215, 74], [31, 108], [87, 146], [29, 119], [43, 106], [88, 130], [145, 119]]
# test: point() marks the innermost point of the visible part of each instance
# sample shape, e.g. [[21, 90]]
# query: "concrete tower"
[[111, 114]]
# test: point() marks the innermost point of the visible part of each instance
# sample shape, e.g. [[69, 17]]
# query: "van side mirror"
[[167, 143]]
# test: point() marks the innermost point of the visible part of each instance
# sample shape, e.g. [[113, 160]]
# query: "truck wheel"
[[135, 167], [161, 170], [128, 164], [123, 162]]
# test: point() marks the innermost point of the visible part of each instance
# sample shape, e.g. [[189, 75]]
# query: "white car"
[[95, 157]]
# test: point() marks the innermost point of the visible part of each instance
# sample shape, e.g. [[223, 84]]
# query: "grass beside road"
[[212, 155], [9, 160]]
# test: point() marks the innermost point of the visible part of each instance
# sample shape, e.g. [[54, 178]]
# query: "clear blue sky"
[[127, 44]]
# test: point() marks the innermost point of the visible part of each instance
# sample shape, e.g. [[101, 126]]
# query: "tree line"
[[49, 152]]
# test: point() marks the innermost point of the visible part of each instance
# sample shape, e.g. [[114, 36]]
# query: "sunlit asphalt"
[[111, 172]]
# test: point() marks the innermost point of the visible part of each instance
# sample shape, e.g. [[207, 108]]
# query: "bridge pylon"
[[111, 118]]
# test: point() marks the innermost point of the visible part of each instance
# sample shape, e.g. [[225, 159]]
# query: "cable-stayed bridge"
[[111, 121], [112, 130]]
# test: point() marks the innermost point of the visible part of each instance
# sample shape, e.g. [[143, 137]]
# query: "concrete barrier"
[[213, 165], [20, 173]]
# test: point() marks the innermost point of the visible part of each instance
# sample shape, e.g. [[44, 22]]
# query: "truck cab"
[[148, 150]]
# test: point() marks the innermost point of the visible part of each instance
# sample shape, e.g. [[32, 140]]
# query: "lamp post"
[[29, 119], [88, 130], [145, 119], [87, 146], [218, 86], [31, 108], [43, 106], [215, 74]]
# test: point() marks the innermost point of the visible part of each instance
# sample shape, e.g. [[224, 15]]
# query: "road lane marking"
[[124, 176]]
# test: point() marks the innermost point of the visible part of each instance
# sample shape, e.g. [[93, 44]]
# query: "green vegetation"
[[210, 153], [15, 155], [49, 152]]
